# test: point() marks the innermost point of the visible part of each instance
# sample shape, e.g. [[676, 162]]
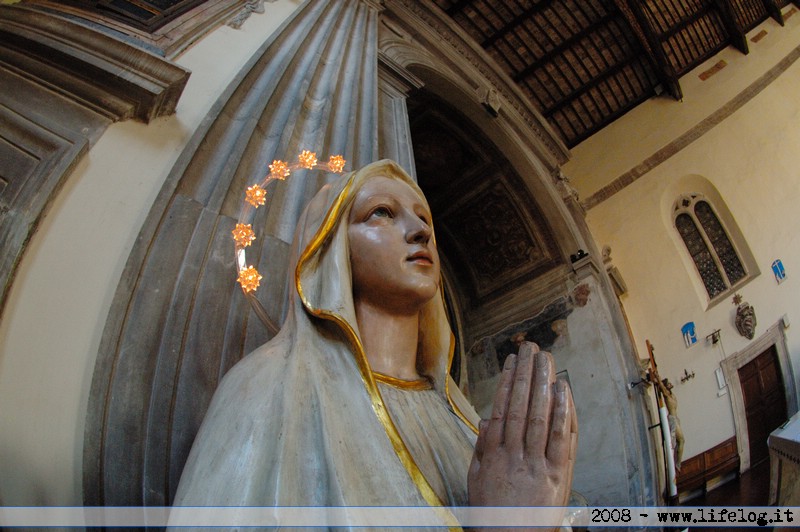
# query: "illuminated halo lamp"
[[256, 196]]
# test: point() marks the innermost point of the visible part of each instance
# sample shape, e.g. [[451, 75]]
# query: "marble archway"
[[491, 151]]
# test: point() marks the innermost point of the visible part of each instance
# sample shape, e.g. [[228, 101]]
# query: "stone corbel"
[[490, 100], [250, 7], [565, 188], [617, 282]]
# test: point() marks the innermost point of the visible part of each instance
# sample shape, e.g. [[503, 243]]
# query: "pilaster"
[[395, 84]]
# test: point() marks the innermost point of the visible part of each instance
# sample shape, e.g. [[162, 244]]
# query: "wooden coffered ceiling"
[[584, 63]]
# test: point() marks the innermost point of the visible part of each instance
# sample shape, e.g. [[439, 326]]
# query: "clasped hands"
[[525, 453]]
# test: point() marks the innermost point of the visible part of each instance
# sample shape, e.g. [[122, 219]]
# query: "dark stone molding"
[[111, 77], [61, 85], [37, 151], [168, 40]]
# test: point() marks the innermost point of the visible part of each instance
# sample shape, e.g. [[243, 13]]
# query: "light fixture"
[[714, 337], [255, 196]]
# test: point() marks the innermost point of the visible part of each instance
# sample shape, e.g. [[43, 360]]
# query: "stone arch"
[[424, 48]]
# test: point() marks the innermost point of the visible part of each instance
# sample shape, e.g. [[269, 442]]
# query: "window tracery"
[[710, 246]]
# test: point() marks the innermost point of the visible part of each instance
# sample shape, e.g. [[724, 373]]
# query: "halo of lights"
[[256, 196]]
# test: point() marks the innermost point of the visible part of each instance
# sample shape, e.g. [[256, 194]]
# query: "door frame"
[[773, 336]]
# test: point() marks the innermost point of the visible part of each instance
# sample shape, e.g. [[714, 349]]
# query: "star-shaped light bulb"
[[243, 235], [249, 278], [336, 163], [256, 196], [308, 159], [279, 170]]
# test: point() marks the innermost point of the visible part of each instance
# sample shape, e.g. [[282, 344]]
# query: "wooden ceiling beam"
[[559, 49], [516, 22], [457, 7], [774, 11], [736, 34], [587, 88], [651, 44]]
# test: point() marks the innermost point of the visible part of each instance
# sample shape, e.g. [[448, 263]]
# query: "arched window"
[[713, 252]]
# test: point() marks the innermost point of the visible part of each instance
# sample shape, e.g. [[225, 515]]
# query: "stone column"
[[395, 83], [179, 320]]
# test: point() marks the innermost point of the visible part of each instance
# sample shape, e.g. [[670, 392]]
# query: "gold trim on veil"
[[438, 363], [300, 421]]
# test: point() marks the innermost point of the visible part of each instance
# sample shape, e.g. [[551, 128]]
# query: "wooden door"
[[764, 401]]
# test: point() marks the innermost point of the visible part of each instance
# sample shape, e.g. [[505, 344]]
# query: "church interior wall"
[[57, 307], [745, 150]]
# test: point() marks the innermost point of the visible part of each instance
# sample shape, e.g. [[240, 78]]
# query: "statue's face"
[[393, 258]]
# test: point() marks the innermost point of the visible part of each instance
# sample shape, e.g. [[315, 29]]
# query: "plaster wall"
[[750, 157], [585, 350], [57, 307]]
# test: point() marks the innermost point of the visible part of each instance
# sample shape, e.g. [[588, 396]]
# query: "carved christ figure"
[[676, 432], [351, 404]]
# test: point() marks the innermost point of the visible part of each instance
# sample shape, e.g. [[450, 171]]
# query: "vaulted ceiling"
[[584, 63]]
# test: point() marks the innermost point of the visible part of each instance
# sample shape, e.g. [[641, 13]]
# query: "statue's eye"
[[381, 212]]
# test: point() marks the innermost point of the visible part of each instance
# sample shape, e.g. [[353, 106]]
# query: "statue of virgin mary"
[[351, 403], [305, 420]]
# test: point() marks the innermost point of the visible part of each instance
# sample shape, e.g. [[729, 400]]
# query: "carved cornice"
[[96, 70], [250, 7], [377, 5], [401, 79], [446, 31]]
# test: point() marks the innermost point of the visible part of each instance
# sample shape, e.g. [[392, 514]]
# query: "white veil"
[[301, 421]]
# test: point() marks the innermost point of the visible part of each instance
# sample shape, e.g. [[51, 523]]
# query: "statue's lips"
[[421, 257]]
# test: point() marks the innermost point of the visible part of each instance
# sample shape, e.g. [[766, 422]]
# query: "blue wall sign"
[[778, 271], [689, 334]]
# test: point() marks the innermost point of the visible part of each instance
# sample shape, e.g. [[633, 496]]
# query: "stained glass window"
[[709, 245], [719, 241]]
